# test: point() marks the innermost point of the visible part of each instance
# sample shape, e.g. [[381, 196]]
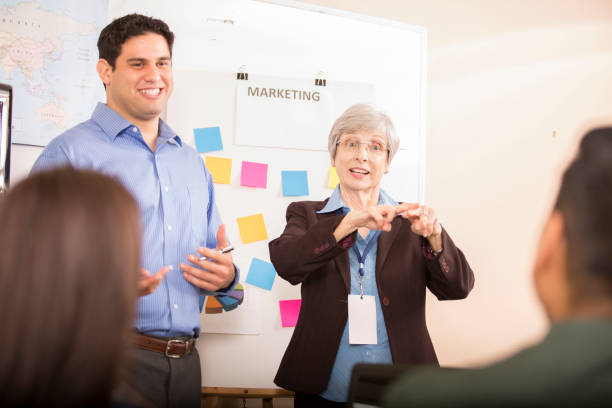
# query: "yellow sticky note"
[[333, 179], [252, 228], [220, 168]]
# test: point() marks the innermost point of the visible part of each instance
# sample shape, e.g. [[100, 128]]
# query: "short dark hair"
[[121, 29], [585, 202], [69, 265]]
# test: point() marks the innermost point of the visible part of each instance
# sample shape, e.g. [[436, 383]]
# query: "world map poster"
[[48, 55]]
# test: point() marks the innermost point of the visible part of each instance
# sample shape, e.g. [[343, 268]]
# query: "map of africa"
[[48, 55]]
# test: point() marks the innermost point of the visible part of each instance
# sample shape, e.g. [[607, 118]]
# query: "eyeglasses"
[[373, 146]]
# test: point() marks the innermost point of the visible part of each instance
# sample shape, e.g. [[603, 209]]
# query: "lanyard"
[[362, 259]]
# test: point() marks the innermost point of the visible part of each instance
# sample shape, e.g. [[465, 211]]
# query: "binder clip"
[[319, 80], [241, 75]]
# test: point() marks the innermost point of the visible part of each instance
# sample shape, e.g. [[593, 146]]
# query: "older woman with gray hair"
[[364, 262]]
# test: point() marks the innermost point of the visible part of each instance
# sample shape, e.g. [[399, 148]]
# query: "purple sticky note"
[[289, 310], [254, 174]]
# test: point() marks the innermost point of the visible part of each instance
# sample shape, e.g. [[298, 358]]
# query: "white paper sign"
[[362, 319], [245, 319], [292, 113]]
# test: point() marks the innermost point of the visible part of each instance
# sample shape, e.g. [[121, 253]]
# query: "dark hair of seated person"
[[69, 262], [585, 200]]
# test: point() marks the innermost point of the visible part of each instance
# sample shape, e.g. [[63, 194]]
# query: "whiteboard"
[[281, 39]]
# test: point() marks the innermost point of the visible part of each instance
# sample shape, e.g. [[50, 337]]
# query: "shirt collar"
[[166, 133], [112, 123], [336, 202]]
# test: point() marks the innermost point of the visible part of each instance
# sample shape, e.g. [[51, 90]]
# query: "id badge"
[[362, 319]]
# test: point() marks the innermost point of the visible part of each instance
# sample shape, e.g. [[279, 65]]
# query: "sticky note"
[[252, 228], [254, 174], [289, 311], [333, 179], [213, 305], [208, 139], [261, 273], [295, 183], [220, 168]]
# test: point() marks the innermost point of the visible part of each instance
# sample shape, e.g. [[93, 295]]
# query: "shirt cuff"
[[347, 241], [428, 251]]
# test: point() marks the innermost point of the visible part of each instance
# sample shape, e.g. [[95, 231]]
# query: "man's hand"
[[148, 282], [424, 223], [216, 271]]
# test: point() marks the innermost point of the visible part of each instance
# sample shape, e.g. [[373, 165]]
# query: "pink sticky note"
[[289, 310], [254, 174]]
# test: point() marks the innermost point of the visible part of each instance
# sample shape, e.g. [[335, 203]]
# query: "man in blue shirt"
[[127, 138]]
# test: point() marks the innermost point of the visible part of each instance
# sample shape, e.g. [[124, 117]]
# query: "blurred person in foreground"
[[69, 266], [364, 262], [572, 366]]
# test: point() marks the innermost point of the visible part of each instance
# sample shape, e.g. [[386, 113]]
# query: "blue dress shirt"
[[176, 196], [350, 354]]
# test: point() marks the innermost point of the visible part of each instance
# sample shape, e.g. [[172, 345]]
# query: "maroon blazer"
[[307, 253]]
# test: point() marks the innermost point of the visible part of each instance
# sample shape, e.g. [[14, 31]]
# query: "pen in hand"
[[223, 251]]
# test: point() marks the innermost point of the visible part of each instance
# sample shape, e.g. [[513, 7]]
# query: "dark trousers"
[[164, 381], [307, 400]]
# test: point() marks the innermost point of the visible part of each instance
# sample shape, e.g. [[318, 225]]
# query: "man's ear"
[[550, 268], [551, 238], [105, 71]]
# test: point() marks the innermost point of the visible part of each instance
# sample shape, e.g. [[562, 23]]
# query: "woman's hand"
[[378, 217], [424, 222]]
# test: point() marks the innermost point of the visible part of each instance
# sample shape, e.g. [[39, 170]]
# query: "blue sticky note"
[[208, 139], [295, 183], [261, 273]]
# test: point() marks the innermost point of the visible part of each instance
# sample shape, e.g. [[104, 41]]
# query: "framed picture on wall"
[[6, 93]]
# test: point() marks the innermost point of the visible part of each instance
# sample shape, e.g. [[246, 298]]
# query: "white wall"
[[504, 76]]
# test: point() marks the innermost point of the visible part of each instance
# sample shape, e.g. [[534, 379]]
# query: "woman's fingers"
[[424, 221]]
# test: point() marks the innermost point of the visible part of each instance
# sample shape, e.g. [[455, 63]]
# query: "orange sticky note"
[[333, 179], [213, 305], [252, 228], [220, 168]]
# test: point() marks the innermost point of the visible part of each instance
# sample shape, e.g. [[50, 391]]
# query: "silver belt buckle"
[[175, 341]]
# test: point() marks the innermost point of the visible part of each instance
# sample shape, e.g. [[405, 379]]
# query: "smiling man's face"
[[141, 83]]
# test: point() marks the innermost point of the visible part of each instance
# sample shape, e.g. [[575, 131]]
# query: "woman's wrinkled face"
[[361, 159]]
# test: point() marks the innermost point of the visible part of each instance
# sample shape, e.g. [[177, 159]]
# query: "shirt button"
[[169, 227], [386, 301], [166, 189], [175, 306], [134, 129], [170, 267], [367, 353]]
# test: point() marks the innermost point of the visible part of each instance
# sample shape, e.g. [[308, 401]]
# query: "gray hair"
[[363, 116]]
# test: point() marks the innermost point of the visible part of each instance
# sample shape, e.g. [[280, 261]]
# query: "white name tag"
[[362, 320]]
